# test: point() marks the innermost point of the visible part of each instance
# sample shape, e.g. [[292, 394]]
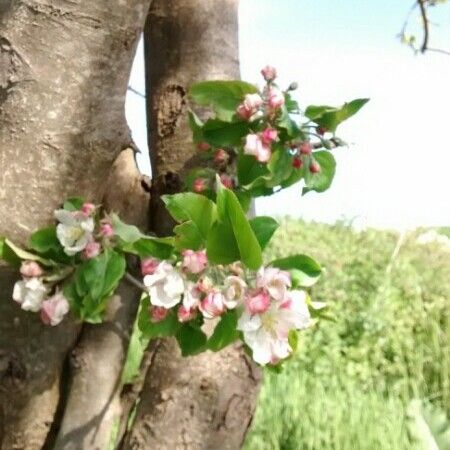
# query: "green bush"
[[352, 378]]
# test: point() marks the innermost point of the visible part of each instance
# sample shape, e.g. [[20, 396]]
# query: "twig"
[[423, 13], [134, 91], [135, 282]]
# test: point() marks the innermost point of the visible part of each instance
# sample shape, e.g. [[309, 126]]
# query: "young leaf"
[[160, 248], [7, 255], [196, 126], [264, 227], [128, 233], [46, 243], [23, 254], [73, 204], [219, 133], [225, 332], [221, 245], [223, 96], [304, 270], [191, 340], [321, 181]]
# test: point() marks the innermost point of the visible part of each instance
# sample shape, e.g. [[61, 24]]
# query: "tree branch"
[[426, 31]]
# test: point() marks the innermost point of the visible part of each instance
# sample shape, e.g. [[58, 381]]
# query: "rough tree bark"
[[64, 69], [207, 401]]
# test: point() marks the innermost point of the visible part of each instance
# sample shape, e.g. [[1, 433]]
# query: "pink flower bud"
[[305, 148], [243, 112], [321, 130], [227, 181], [54, 309], [194, 262], [203, 146], [269, 135], [213, 305], [149, 265], [258, 302], [199, 185], [297, 163], [269, 73], [314, 167], [276, 98], [92, 250], [88, 209], [205, 285], [31, 269], [106, 230], [220, 156], [185, 314], [158, 313]]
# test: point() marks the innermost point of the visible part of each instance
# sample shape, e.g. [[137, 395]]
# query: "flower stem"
[[135, 282]]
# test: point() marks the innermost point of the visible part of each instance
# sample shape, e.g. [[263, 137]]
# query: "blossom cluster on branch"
[[208, 284]]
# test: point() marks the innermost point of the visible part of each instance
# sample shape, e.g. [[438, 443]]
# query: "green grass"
[[351, 380]]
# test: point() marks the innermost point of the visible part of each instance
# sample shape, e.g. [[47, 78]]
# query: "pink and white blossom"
[[269, 135], [257, 301], [275, 281], [165, 285], [194, 261], [234, 291], [267, 333], [250, 106], [256, 147], [275, 98], [158, 313], [88, 209], [269, 73], [74, 231], [192, 294], [221, 156], [30, 293], [54, 309], [213, 305], [149, 265], [185, 314], [92, 250], [106, 230], [31, 269], [199, 185], [227, 181]]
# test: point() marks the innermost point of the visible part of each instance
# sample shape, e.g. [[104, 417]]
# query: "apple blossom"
[[185, 314], [274, 280], [258, 301], [92, 250], [88, 209], [194, 262], [221, 156], [269, 135], [30, 293], [250, 106], [106, 230], [275, 98], [191, 297], [54, 309], [267, 333], [256, 147], [269, 73], [199, 185], [314, 167], [31, 269], [165, 285], [74, 231], [227, 181], [305, 148], [234, 291], [149, 265], [205, 285], [213, 305], [158, 313], [297, 163]]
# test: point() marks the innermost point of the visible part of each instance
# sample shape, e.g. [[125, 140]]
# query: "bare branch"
[[426, 31]]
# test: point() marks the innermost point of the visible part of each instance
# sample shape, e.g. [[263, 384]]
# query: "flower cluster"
[[268, 308]]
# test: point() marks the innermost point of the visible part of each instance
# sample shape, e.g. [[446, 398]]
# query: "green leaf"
[[192, 207], [191, 340], [264, 227], [160, 248], [280, 167], [249, 248], [73, 204], [23, 254], [7, 255], [46, 243], [196, 126], [330, 117], [321, 181], [188, 236], [250, 172], [304, 270], [225, 332], [128, 233], [223, 96], [167, 327], [219, 133], [285, 122], [221, 246]]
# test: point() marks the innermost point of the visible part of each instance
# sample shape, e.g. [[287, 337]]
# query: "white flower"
[[191, 297], [274, 280], [234, 291], [267, 333], [213, 305], [256, 147], [74, 230], [54, 309], [30, 294], [166, 285]]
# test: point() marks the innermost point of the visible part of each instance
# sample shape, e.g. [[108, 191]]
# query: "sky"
[[396, 171]]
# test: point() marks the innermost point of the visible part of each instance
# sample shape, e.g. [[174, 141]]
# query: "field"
[[353, 377]]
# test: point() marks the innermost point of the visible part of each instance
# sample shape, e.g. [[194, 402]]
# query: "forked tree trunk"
[[203, 402], [64, 68]]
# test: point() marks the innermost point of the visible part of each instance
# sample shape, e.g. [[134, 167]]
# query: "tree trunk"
[[64, 68], [207, 401]]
